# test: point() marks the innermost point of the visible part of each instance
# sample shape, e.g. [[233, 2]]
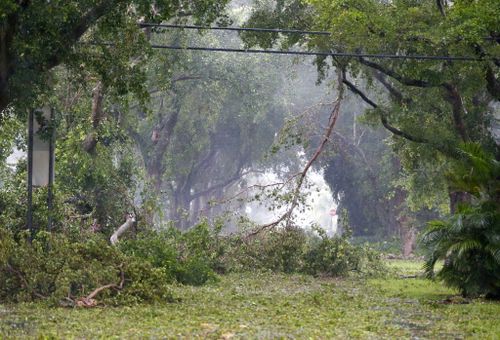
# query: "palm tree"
[[469, 240]]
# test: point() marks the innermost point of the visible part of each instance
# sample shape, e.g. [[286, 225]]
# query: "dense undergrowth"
[[84, 269]]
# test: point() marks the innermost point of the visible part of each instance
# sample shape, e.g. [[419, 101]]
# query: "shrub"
[[61, 268], [336, 256]]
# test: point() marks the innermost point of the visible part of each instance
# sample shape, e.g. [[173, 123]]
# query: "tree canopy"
[[36, 36]]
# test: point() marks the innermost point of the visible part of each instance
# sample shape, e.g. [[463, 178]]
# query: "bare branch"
[[88, 301], [302, 175], [123, 228]]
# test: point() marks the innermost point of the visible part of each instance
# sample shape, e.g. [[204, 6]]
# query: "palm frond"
[[465, 246], [494, 250]]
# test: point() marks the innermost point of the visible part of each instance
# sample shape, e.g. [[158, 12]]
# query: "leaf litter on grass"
[[272, 305]]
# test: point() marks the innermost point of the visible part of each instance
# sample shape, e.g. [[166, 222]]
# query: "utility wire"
[[250, 29], [254, 29], [326, 54], [322, 53]]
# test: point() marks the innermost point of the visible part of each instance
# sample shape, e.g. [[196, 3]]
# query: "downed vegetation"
[[275, 305], [87, 271]]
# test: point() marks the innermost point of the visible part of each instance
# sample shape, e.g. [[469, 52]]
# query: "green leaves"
[[468, 241]]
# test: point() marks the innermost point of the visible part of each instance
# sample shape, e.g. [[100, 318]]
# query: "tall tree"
[[429, 106], [213, 116], [37, 35]]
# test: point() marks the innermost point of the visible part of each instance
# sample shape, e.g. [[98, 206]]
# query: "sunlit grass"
[[266, 305]]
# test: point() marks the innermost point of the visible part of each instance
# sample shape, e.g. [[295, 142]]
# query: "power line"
[[326, 54], [250, 29], [321, 53], [256, 29]]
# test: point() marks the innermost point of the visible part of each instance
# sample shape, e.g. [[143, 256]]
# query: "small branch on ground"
[[90, 301]]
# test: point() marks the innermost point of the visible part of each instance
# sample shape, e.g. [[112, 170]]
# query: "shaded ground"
[[265, 305]]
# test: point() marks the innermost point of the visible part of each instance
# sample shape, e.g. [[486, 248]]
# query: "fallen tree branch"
[[24, 282], [302, 175], [89, 301]]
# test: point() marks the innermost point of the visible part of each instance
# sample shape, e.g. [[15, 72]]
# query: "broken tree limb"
[[302, 175], [123, 228], [89, 301]]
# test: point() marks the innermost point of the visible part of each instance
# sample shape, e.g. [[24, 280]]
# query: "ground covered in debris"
[[268, 305]]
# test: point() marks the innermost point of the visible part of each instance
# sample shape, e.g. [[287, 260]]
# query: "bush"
[[336, 256], [189, 258], [61, 269]]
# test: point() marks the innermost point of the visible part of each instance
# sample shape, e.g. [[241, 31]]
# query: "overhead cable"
[[311, 53], [250, 29], [323, 53]]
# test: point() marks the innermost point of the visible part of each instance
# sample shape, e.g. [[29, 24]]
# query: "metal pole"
[[30, 177], [51, 169]]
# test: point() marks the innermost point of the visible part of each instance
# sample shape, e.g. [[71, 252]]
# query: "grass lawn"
[[266, 305]]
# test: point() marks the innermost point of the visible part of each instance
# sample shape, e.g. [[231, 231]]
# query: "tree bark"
[[457, 198], [90, 141], [7, 32], [458, 110], [492, 83]]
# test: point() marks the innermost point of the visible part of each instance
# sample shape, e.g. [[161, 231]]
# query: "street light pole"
[[30, 177], [51, 169]]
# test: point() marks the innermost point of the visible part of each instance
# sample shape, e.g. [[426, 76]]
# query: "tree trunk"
[[6, 66], [457, 198], [409, 240], [90, 141]]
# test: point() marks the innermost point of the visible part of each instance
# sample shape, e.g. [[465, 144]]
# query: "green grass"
[[265, 305]]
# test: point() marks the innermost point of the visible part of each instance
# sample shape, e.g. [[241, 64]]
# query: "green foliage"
[[189, 258], [59, 268], [273, 305], [336, 256], [436, 103], [293, 250], [213, 117], [469, 240], [56, 268], [37, 36], [469, 244]]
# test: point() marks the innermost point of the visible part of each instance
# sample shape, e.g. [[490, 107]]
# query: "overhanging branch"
[[383, 118], [393, 74]]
